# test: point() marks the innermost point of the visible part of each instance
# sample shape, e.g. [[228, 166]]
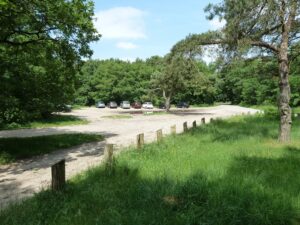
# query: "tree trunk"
[[167, 101], [284, 97]]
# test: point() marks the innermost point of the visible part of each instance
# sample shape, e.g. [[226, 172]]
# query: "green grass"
[[116, 117], [12, 149], [78, 107], [226, 173], [155, 113], [53, 121], [209, 105], [272, 110]]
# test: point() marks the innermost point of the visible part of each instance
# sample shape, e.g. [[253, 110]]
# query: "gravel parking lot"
[[119, 126]]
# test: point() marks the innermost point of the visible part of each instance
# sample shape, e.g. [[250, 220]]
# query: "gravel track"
[[26, 177]]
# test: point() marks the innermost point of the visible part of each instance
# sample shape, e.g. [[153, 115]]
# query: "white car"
[[125, 105], [147, 105]]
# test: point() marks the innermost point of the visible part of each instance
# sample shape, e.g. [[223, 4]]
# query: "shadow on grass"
[[13, 149], [53, 120], [277, 174], [127, 198]]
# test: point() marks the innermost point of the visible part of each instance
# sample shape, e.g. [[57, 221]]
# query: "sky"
[[133, 29]]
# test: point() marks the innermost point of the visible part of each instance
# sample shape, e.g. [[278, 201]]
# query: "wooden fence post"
[[203, 120], [173, 129], [58, 173], [159, 135], [185, 128], [194, 124], [109, 151], [109, 157], [140, 141]]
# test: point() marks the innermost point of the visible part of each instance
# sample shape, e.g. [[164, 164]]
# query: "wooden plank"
[[185, 127], [58, 173], [173, 129], [109, 157], [140, 141], [194, 124], [159, 135]]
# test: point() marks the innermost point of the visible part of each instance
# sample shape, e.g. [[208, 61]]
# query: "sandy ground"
[[24, 178]]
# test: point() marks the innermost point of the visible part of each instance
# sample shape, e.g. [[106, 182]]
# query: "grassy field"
[[154, 113], [53, 121], [12, 149], [227, 173], [116, 117]]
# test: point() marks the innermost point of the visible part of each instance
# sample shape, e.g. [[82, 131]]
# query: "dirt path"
[[24, 178]]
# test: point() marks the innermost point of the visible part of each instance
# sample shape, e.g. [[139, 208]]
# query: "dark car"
[[136, 105], [100, 104], [112, 105], [182, 105], [65, 108], [162, 106]]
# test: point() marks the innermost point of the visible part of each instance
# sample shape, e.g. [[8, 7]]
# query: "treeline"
[[113, 79], [242, 81], [116, 80], [255, 81]]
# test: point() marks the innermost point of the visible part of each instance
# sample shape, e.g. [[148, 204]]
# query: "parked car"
[[162, 106], [100, 104], [182, 105], [112, 105], [147, 105], [136, 105], [65, 108], [125, 105]]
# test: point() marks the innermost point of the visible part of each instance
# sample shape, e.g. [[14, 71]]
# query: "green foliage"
[[257, 23], [10, 149], [200, 87], [251, 82], [41, 45], [229, 172], [174, 77], [254, 81], [295, 82], [113, 80], [116, 80]]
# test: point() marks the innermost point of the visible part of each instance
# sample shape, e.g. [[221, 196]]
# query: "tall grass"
[[225, 173]]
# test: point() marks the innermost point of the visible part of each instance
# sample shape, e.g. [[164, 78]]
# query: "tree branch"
[[15, 43], [265, 45]]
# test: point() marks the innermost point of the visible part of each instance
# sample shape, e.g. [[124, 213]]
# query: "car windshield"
[[125, 102], [100, 102]]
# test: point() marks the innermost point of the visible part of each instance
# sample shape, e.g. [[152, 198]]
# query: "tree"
[[113, 79], [248, 81], [174, 77], [271, 26], [41, 47]]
